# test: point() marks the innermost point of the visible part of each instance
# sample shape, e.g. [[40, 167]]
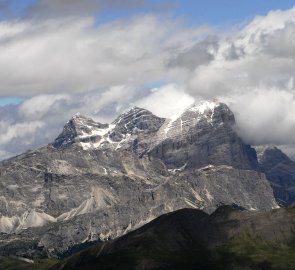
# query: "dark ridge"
[[230, 238]]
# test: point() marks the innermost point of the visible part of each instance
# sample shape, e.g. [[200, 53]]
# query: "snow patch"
[[171, 120], [103, 133], [204, 107]]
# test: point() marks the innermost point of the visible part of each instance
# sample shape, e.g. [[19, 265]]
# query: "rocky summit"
[[97, 182]]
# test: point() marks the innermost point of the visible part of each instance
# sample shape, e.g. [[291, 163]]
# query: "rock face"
[[204, 134], [280, 171], [99, 181]]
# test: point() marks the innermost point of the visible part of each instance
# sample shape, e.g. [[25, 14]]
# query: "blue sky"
[[195, 11], [10, 100], [214, 12], [218, 12]]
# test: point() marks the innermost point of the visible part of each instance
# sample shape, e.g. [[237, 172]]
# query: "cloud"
[[160, 100], [201, 53], [70, 64], [261, 54], [267, 116], [289, 150], [19, 130], [38, 106], [75, 55]]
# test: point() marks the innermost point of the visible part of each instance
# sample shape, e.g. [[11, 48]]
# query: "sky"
[[98, 57]]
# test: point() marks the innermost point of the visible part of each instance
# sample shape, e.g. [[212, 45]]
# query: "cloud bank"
[[75, 55], [71, 64]]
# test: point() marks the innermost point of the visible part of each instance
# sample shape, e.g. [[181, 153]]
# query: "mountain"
[[229, 238], [280, 171], [98, 181]]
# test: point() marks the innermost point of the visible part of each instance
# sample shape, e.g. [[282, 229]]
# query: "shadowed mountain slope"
[[230, 238], [280, 171]]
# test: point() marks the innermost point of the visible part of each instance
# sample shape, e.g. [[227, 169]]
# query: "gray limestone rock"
[[99, 181]]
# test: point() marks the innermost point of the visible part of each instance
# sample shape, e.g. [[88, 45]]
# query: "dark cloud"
[[199, 54]]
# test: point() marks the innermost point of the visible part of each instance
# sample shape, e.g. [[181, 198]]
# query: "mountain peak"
[[136, 120], [79, 119], [79, 115], [270, 153], [211, 112], [133, 112], [79, 127]]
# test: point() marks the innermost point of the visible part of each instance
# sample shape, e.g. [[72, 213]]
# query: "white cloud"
[[20, 131], [74, 55], [166, 101], [38, 106], [266, 116]]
